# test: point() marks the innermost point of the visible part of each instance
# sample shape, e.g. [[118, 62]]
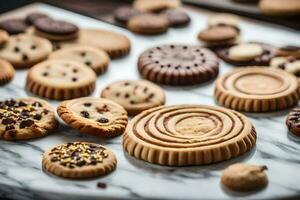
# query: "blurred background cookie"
[[7, 72]]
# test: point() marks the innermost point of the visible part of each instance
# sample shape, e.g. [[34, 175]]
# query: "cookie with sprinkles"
[[77, 160], [7, 72], [94, 116], [26, 118]]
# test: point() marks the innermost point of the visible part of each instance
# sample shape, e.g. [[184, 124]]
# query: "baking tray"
[[22, 177]]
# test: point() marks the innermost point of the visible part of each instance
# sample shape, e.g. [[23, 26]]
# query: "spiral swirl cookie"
[[257, 89], [78, 160], [188, 135], [26, 118], [7, 72], [61, 79], [94, 116], [178, 65]]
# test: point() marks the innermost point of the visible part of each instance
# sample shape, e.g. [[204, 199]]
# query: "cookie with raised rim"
[[78, 160], [94, 116], [7, 72], [61, 79], [188, 135], [26, 118], [134, 95]]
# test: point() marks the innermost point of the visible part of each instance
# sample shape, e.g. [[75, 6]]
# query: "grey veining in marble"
[[21, 175]]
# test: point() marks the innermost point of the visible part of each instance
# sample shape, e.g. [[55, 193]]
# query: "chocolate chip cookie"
[[289, 64], [178, 64], [23, 50], [14, 26], [134, 96], [61, 79], [96, 59], [77, 160], [7, 72], [94, 116], [293, 121], [26, 118]]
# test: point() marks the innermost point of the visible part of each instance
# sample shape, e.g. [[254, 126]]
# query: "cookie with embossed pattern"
[[78, 160]]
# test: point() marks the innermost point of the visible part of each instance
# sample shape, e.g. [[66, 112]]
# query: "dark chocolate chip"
[[81, 163], [74, 79], [26, 123], [45, 74], [37, 104], [101, 185], [103, 120], [9, 127], [82, 54], [87, 104], [88, 63], [75, 70], [21, 104], [37, 117], [25, 57], [16, 49], [85, 114], [127, 95], [7, 121], [54, 159]]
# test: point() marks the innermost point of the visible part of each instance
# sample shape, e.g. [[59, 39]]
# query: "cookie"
[[134, 96], [177, 18], [78, 160], [247, 54], [7, 72], [244, 177], [92, 57], [61, 79], [178, 65], [26, 118], [55, 30], [289, 64], [224, 19], [94, 116], [257, 89], [155, 5], [124, 13], [31, 17], [293, 121], [188, 135], [279, 7], [3, 37], [115, 44], [289, 50], [23, 50], [148, 24], [14, 26]]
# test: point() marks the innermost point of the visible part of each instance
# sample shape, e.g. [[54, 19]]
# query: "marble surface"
[[21, 175]]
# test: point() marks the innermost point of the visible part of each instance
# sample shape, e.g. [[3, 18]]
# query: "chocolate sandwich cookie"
[[135, 96], [124, 13], [155, 5], [77, 160], [23, 50], [14, 26], [244, 177], [92, 57], [7, 72], [293, 121], [26, 118], [289, 50], [3, 37], [177, 18], [257, 89], [61, 79], [247, 54], [32, 17], [289, 64], [188, 135], [148, 24], [94, 116], [279, 7], [178, 64], [55, 30]]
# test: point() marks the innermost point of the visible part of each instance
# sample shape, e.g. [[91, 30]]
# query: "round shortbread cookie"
[[257, 89], [134, 96], [77, 160], [215, 34], [23, 50], [279, 7], [245, 177], [94, 116], [245, 52], [96, 59], [188, 135], [7, 72], [26, 118], [224, 19], [155, 5], [61, 79]]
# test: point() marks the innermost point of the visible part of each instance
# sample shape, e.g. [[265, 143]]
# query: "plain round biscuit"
[[245, 52], [224, 19], [217, 34], [155, 5]]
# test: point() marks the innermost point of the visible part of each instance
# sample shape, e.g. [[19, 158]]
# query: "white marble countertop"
[[22, 177]]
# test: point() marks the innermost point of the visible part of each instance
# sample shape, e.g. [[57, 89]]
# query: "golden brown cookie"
[[293, 121], [94, 58], [289, 64], [61, 79], [224, 19], [289, 50], [134, 96], [77, 160], [23, 50], [3, 37], [279, 7], [188, 135], [257, 89], [155, 5], [26, 118], [148, 24], [115, 44], [94, 116], [7, 72], [244, 177]]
